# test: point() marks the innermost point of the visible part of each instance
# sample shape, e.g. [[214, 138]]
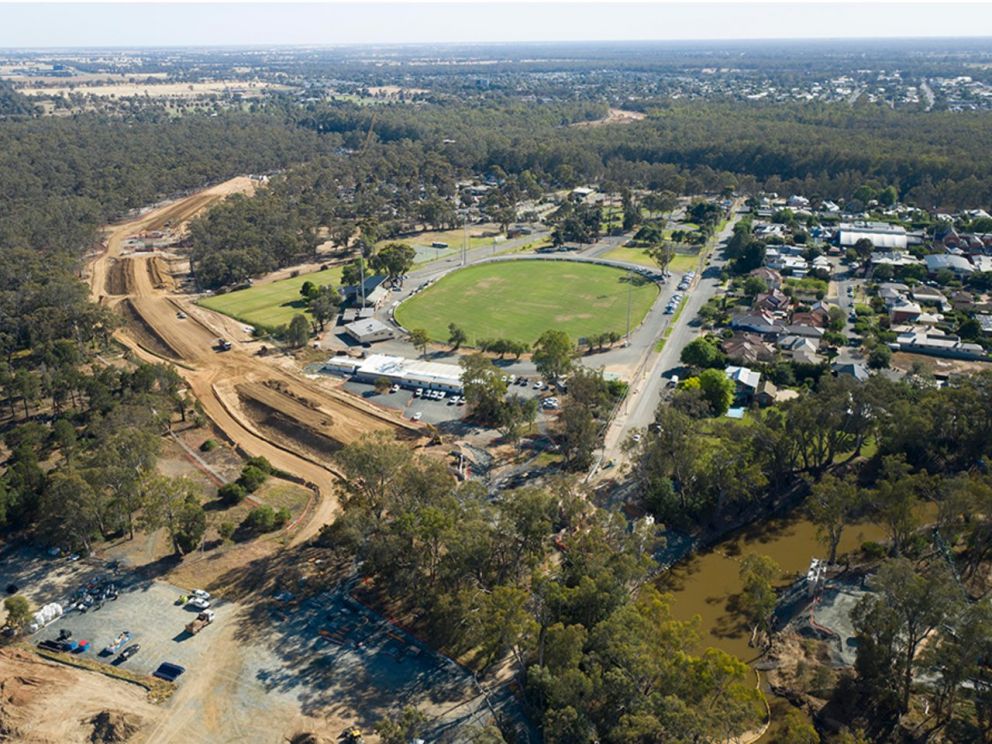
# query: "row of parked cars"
[[673, 304], [454, 400]]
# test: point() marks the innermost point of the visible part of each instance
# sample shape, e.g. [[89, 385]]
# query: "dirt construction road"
[[155, 332]]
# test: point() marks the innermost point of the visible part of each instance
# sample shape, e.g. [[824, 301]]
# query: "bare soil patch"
[[47, 703]]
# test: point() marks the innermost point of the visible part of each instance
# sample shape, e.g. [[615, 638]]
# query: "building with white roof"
[[368, 331], [410, 373], [956, 264], [881, 234]]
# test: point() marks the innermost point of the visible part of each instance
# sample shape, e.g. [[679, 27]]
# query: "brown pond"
[[705, 584]]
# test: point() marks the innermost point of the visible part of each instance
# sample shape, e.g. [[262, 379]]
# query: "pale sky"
[[239, 24]]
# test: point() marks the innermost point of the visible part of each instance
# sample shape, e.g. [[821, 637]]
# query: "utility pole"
[[361, 268]]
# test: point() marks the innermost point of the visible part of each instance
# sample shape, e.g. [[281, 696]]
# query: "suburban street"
[[638, 409]]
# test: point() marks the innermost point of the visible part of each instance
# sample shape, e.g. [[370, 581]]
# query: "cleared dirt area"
[[615, 116], [42, 701]]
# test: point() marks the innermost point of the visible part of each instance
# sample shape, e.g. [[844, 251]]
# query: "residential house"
[[774, 301], [748, 348], [893, 293], [939, 344], [928, 295], [806, 331], [962, 300], [982, 263], [792, 265], [850, 369], [893, 258], [804, 355], [958, 265], [985, 321], [760, 322], [771, 278], [904, 311], [745, 382]]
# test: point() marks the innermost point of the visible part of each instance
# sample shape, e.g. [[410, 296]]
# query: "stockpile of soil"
[[111, 726], [48, 703]]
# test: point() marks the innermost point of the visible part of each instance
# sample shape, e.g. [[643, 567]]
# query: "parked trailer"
[[118, 643]]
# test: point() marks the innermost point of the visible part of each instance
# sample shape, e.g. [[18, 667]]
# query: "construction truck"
[[202, 621]]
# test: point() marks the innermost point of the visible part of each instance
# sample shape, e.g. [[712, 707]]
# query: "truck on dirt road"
[[200, 622]]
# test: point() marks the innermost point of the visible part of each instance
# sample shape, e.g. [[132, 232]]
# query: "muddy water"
[[706, 584]]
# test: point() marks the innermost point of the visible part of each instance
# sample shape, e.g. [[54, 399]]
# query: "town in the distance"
[[629, 393]]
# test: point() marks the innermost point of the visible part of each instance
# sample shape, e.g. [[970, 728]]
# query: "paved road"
[[646, 387]]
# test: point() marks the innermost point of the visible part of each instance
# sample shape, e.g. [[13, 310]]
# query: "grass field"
[[520, 300], [680, 262], [272, 304]]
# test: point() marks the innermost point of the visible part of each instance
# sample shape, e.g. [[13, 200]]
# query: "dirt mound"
[[117, 277], [48, 703], [158, 272], [307, 738], [143, 332], [113, 726]]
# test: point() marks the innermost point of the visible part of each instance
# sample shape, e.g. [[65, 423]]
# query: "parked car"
[[417, 416], [418, 392], [198, 603], [181, 315], [200, 593], [394, 388], [128, 652], [168, 671]]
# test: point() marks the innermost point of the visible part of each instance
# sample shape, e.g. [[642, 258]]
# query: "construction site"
[[262, 405]]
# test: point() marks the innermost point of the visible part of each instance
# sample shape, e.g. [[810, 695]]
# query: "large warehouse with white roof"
[[881, 234]]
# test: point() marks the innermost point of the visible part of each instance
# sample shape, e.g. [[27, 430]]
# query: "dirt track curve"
[[305, 421]]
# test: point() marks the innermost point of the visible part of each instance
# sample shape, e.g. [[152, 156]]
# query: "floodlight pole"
[[630, 288]]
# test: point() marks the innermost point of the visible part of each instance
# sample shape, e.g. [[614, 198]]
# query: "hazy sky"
[[182, 24]]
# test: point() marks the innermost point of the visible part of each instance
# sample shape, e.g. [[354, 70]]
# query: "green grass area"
[[454, 238], [680, 262], [280, 494], [270, 305], [684, 262], [631, 255], [520, 300]]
